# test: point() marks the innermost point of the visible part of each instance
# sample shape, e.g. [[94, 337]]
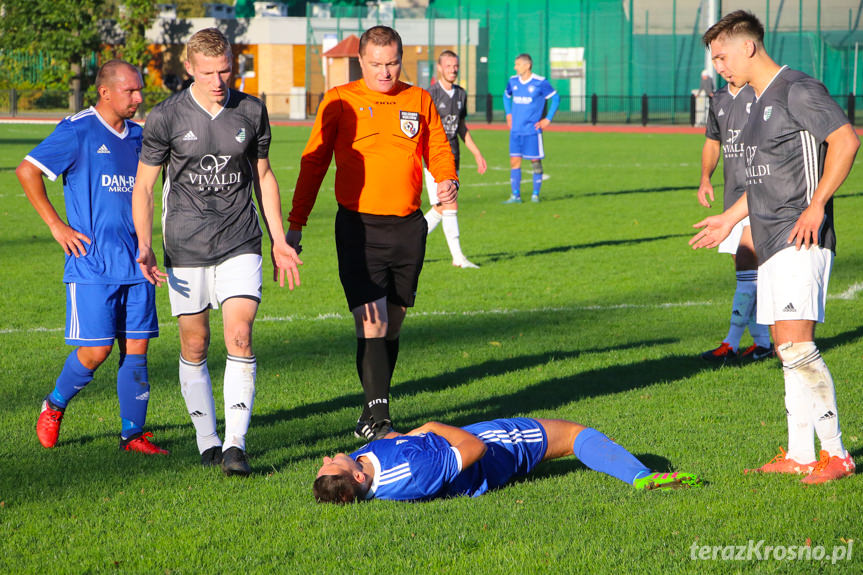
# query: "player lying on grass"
[[438, 460]]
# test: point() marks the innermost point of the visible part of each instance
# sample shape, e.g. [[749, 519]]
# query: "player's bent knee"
[[93, 357], [797, 354]]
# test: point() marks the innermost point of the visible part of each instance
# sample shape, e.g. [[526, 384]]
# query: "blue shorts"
[[527, 146], [514, 447], [97, 314]]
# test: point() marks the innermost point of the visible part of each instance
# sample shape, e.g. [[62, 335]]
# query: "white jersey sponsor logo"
[[522, 99], [733, 148], [118, 183], [213, 176], [103, 149], [190, 137], [755, 173]]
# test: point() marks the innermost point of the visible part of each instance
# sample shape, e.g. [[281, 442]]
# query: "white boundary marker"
[[848, 294]]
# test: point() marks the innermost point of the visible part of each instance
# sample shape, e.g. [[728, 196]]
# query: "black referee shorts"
[[380, 256]]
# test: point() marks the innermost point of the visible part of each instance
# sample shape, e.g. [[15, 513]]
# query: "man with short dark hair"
[[451, 102], [381, 131], [214, 145], [107, 297], [437, 460], [524, 101], [800, 147]]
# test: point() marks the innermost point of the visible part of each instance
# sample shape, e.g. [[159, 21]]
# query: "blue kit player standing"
[[437, 460], [524, 101], [800, 147], [107, 297]]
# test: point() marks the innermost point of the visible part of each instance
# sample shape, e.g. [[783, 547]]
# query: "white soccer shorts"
[[792, 284], [192, 290], [730, 244]]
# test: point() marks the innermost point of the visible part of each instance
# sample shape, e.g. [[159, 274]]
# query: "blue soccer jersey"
[[526, 100], [417, 468], [98, 166], [411, 467]]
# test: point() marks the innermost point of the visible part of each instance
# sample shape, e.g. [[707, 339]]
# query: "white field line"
[[343, 316], [848, 294]]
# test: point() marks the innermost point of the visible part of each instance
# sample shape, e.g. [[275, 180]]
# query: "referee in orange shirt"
[[380, 130]]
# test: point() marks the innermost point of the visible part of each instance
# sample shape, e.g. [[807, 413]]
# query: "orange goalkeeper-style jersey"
[[379, 141]]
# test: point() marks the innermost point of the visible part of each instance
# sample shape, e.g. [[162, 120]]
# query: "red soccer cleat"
[[722, 354], [783, 464], [48, 424], [141, 444], [829, 468]]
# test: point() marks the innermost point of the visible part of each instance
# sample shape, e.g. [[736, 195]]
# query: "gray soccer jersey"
[[452, 112], [785, 153], [725, 122], [208, 215]]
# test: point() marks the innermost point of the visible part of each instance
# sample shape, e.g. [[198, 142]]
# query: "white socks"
[[239, 397], [450, 230], [198, 393], [433, 218], [449, 218], [239, 391], [812, 400]]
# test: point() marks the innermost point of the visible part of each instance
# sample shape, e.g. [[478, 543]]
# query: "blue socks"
[[515, 181], [537, 183], [72, 379], [600, 453], [133, 390]]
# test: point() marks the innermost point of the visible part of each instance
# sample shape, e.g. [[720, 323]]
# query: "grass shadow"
[[641, 191], [493, 257]]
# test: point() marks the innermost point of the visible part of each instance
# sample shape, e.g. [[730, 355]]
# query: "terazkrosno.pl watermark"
[[761, 551]]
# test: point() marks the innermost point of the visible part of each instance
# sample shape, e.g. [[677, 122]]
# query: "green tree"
[[135, 18], [65, 30]]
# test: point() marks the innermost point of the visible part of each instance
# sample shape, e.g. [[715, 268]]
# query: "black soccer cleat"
[[234, 462], [721, 355], [212, 456], [363, 430], [381, 429]]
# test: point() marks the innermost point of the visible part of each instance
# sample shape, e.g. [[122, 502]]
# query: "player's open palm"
[[481, 165], [285, 265], [714, 229], [147, 262], [70, 239]]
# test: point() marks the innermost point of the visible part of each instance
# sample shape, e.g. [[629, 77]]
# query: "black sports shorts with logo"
[[380, 256]]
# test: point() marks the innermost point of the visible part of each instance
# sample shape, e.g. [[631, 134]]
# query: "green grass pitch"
[[589, 306]]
